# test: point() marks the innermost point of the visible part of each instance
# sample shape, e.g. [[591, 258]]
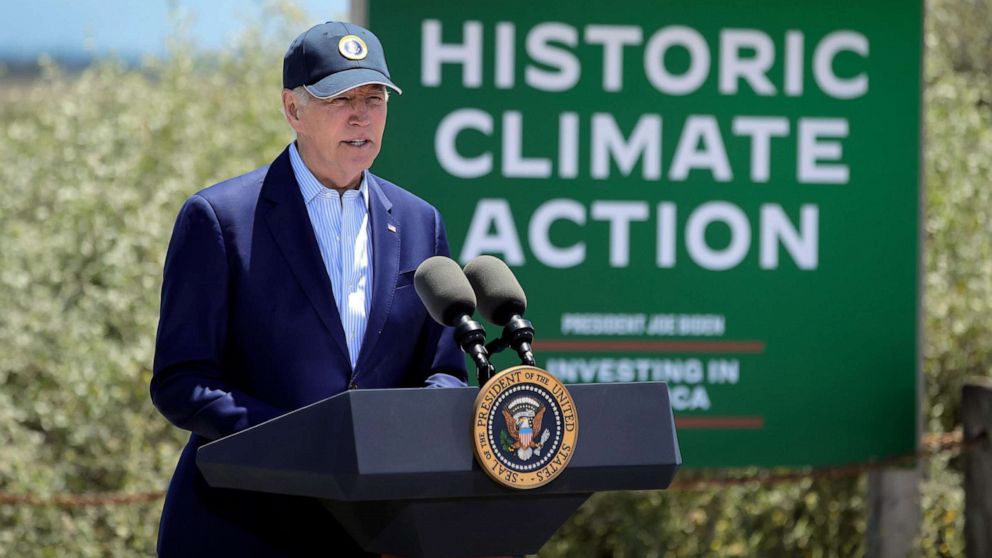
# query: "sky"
[[129, 28]]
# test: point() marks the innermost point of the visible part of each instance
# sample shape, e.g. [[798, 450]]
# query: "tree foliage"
[[94, 167]]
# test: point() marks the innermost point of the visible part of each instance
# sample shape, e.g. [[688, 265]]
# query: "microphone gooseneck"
[[448, 296], [471, 337], [519, 334], [502, 301]]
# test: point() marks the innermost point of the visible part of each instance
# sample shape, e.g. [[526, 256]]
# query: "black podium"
[[395, 466]]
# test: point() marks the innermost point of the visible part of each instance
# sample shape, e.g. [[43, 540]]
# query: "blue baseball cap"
[[333, 57]]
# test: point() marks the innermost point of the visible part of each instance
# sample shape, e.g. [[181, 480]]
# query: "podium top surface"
[[409, 444]]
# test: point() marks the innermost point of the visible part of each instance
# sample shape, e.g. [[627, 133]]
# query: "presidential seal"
[[353, 47], [525, 427]]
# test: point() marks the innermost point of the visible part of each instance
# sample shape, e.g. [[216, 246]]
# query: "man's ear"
[[291, 108]]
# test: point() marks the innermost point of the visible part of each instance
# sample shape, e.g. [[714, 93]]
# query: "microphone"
[[450, 300], [502, 301]]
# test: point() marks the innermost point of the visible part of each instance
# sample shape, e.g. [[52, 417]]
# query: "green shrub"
[[94, 168]]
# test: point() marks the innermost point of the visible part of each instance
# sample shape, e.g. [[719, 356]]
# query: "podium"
[[395, 466]]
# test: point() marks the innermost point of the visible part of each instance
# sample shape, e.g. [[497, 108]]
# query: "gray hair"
[[303, 97]]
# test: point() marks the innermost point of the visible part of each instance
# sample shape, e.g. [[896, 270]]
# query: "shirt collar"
[[310, 187]]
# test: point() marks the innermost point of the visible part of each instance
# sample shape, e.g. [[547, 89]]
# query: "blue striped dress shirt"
[[341, 225]]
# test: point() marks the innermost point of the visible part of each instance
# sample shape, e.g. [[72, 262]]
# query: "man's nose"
[[359, 112]]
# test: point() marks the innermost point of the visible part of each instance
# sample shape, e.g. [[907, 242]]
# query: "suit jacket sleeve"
[[447, 363], [190, 384]]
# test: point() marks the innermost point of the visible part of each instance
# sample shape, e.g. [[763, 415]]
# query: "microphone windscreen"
[[444, 290], [500, 295]]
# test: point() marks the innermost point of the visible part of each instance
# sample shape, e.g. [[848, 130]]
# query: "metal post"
[[359, 12], [893, 512], [976, 414]]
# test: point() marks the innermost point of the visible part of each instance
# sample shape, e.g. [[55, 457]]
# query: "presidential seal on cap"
[[333, 57], [353, 47], [525, 427]]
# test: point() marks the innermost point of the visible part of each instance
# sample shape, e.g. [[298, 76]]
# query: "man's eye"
[[375, 100], [339, 101]]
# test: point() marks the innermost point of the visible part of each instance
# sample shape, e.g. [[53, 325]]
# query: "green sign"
[[721, 195]]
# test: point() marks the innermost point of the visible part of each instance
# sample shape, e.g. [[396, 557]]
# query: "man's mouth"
[[357, 143]]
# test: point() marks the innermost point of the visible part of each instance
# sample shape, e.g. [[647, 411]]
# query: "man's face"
[[341, 136]]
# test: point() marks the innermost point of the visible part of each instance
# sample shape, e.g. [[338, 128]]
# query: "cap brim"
[[337, 83]]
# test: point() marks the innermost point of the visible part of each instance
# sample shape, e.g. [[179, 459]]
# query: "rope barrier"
[[70, 501], [932, 444]]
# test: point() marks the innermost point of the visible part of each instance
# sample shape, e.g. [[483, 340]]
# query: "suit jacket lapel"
[[289, 223], [386, 262]]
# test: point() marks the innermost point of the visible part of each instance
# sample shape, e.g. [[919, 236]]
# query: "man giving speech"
[[288, 285]]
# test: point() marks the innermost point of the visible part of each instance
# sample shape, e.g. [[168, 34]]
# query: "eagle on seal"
[[523, 429]]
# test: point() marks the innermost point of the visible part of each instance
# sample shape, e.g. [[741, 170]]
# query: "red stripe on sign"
[[730, 423], [576, 346]]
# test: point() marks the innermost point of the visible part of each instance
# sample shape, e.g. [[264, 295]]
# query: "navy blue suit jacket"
[[249, 330]]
